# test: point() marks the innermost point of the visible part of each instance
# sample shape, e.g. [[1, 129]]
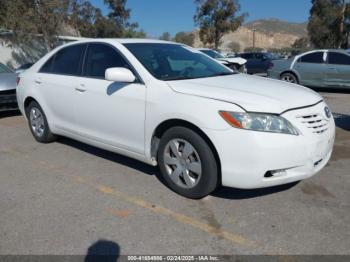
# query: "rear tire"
[[187, 163], [290, 78], [38, 124]]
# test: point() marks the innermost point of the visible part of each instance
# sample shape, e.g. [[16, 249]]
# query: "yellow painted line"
[[234, 238], [237, 239]]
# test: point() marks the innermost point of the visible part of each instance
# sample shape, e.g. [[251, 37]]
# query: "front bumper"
[[8, 100], [252, 160]]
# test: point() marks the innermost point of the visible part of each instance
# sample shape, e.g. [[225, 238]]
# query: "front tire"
[[38, 123], [187, 163]]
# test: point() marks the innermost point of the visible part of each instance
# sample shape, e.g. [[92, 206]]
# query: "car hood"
[[253, 93], [7, 81], [234, 60]]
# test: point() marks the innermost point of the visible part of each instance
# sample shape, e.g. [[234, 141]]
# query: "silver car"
[[8, 99], [319, 68]]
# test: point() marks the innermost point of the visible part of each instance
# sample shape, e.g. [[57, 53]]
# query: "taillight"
[[18, 79]]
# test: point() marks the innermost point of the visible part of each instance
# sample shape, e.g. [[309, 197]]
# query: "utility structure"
[[254, 30]]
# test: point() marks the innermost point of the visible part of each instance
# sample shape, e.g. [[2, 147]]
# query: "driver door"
[[338, 70], [110, 112]]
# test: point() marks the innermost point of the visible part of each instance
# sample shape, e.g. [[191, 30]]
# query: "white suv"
[[167, 104]]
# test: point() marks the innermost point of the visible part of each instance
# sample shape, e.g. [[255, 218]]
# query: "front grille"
[[314, 122], [8, 100], [8, 92]]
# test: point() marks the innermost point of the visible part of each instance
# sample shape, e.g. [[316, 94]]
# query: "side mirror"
[[119, 74]]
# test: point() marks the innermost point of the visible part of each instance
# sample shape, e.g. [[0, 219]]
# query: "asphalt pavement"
[[66, 197]]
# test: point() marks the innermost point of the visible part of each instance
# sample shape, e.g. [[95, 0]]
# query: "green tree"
[[185, 38], [234, 47], [26, 18], [329, 23], [83, 16], [121, 15], [216, 18], [165, 36], [301, 44], [104, 27]]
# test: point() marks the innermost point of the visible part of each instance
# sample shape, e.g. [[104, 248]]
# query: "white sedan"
[[235, 63], [170, 105]]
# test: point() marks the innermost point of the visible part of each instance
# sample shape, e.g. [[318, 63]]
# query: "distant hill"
[[270, 33], [278, 26]]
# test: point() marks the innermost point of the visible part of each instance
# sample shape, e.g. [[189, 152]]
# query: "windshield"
[[4, 69], [212, 53], [175, 62]]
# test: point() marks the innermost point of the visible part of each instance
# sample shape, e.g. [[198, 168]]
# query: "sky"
[[158, 16]]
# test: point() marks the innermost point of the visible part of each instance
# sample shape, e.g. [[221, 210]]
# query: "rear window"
[[67, 61], [247, 56], [314, 58]]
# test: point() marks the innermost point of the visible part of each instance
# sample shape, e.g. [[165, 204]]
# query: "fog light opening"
[[275, 173], [316, 164]]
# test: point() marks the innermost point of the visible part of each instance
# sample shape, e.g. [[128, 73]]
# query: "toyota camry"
[[171, 106]]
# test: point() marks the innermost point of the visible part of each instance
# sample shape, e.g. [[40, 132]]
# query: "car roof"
[[322, 50], [262, 52], [124, 41]]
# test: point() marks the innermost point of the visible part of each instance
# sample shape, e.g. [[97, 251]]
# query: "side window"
[[247, 56], [47, 67], [259, 56], [101, 57], [67, 61], [338, 59], [314, 58]]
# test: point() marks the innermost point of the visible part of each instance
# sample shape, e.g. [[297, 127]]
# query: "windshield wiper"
[[223, 74], [176, 78], [186, 78]]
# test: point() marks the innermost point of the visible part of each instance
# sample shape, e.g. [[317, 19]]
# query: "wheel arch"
[[27, 102], [167, 124]]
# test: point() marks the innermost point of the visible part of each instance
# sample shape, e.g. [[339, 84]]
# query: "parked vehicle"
[[235, 63], [169, 105], [318, 68], [23, 67], [8, 99], [258, 62]]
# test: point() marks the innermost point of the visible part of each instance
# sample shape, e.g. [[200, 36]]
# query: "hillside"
[[278, 26], [270, 33]]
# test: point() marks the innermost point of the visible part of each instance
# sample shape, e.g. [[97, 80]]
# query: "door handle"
[[81, 90], [38, 81]]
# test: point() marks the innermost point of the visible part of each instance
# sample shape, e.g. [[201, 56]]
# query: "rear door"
[[56, 82], [338, 70], [312, 69]]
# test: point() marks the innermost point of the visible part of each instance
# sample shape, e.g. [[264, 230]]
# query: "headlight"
[[259, 122]]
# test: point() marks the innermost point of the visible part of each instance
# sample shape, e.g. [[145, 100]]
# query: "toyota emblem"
[[328, 112]]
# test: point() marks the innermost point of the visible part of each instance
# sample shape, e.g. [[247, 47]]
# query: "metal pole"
[[254, 30]]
